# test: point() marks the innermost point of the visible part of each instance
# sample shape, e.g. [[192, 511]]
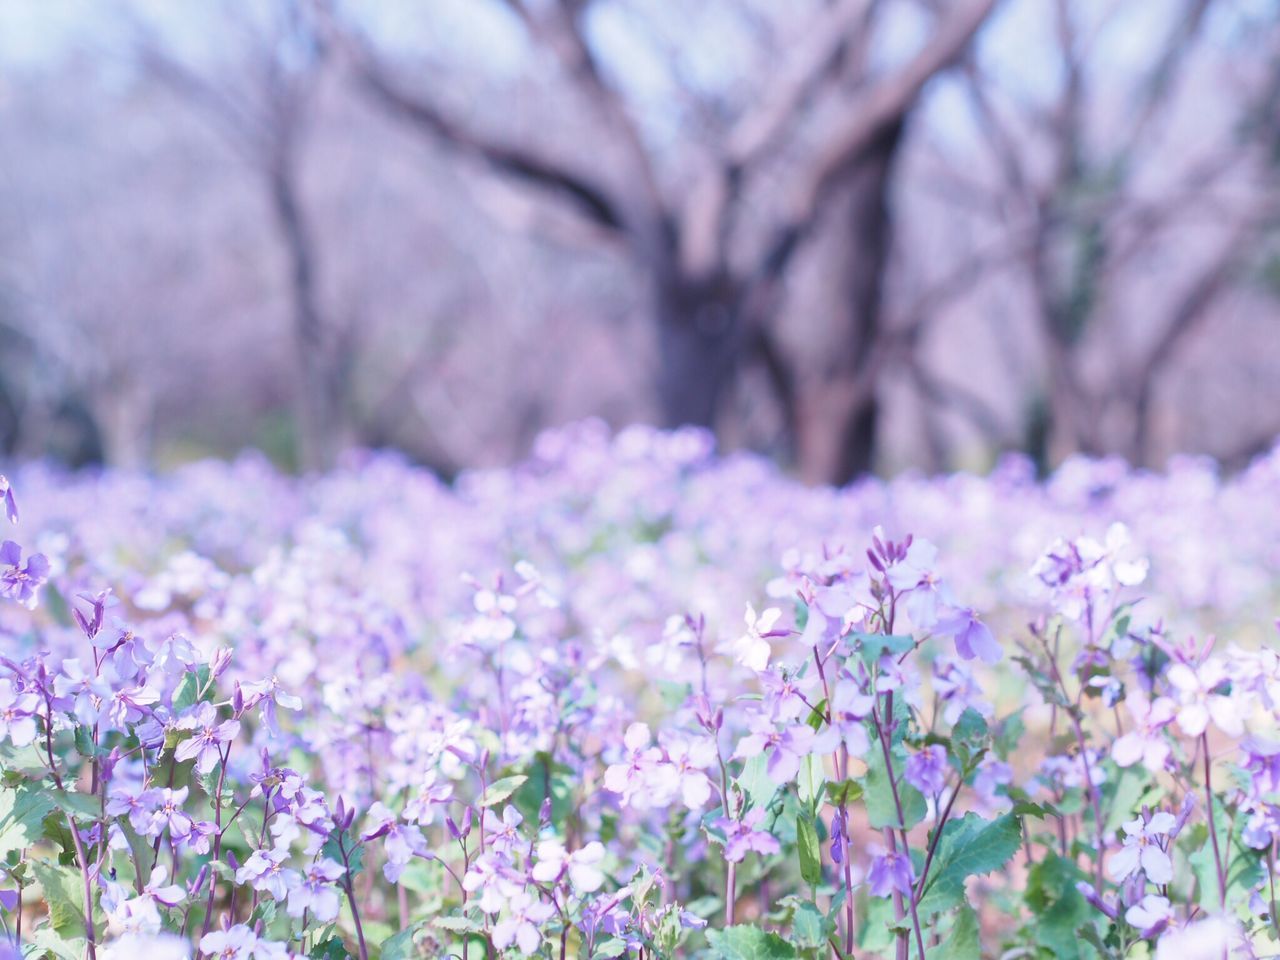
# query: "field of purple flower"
[[634, 699]]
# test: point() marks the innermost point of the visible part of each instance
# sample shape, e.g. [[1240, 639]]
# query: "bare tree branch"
[[869, 116]]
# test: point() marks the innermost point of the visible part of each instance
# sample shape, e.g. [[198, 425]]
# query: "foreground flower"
[[1142, 850], [972, 636], [741, 836], [521, 926], [890, 872], [17, 582], [927, 770]]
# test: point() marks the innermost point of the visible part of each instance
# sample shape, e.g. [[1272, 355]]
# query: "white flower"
[[752, 650], [1142, 850]]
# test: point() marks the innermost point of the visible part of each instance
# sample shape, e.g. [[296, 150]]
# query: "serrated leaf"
[[63, 889], [810, 855], [499, 790], [63, 948], [1058, 906], [83, 806], [457, 924], [968, 847], [1244, 868], [22, 810], [872, 646], [810, 927], [401, 945], [748, 942], [843, 793]]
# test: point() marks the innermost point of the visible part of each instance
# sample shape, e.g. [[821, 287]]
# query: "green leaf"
[[83, 806], [63, 889], [1244, 866], [810, 927], [21, 811], [756, 783], [1128, 791], [1057, 905], [189, 687], [499, 790], [613, 947], [969, 846], [1009, 734], [329, 949], [812, 777], [48, 942], [810, 854], [458, 924], [748, 942], [965, 941], [546, 779], [874, 645], [881, 809], [843, 793], [401, 946]]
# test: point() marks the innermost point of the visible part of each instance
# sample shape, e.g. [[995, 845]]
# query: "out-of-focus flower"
[[752, 649], [1145, 741], [784, 747], [927, 769], [582, 866], [521, 924], [1150, 915], [1200, 700], [890, 872], [18, 582], [972, 636]]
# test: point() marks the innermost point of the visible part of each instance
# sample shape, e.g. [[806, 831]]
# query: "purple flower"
[[741, 836], [1145, 742], [167, 813], [1200, 698], [521, 925], [86, 692], [849, 708], [316, 891], [10, 505], [1263, 764], [785, 748], [958, 689], [971, 635], [927, 770], [890, 872], [17, 714], [205, 744], [581, 865], [265, 872], [18, 582]]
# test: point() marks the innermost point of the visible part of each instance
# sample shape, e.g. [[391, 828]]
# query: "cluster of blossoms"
[[246, 717]]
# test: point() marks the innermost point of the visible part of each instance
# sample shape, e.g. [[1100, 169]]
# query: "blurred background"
[[851, 234]]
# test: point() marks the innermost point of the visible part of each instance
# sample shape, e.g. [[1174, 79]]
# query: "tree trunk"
[[838, 441], [318, 407], [699, 349]]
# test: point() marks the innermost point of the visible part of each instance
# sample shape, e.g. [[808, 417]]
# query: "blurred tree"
[[265, 121], [1084, 226], [713, 264]]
